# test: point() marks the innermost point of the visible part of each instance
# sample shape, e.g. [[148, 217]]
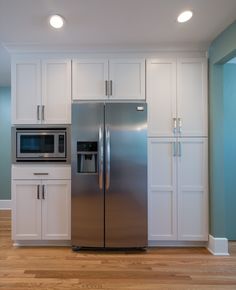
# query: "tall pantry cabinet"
[[177, 149]]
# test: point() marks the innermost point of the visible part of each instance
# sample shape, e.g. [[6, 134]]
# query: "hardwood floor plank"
[[57, 268]]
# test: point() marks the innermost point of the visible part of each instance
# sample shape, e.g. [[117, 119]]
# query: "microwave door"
[[32, 145]]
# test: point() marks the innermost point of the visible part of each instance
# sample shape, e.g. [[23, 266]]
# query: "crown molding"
[[13, 47]]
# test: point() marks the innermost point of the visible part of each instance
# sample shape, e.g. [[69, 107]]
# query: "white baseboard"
[[218, 246], [5, 204], [41, 243]]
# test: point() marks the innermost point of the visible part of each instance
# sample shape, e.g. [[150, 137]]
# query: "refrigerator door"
[[126, 175], [87, 175]]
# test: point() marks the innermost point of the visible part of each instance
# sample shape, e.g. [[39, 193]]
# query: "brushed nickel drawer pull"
[[41, 173]]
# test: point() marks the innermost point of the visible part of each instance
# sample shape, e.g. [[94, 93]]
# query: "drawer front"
[[41, 172]]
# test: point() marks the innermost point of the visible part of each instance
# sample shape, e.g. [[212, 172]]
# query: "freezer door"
[[87, 175], [126, 175]]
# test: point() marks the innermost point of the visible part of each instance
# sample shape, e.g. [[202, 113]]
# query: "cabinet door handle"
[[38, 191], [179, 125], [38, 117], [174, 125], [110, 89], [43, 109], [179, 149], [174, 149], [106, 88], [43, 191]]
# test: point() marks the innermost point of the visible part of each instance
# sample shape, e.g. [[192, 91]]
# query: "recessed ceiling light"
[[56, 21], [185, 16]]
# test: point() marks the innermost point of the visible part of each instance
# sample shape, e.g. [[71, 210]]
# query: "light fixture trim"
[[56, 21], [185, 16]]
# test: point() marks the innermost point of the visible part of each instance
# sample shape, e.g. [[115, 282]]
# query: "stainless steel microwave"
[[41, 144]]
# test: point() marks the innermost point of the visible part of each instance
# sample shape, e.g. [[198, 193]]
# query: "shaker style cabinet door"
[[90, 77], [192, 189], [26, 91], [161, 97], [162, 189], [127, 79], [192, 96], [26, 211], [56, 91], [56, 213]]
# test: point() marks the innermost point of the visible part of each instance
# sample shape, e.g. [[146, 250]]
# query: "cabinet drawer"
[[41, 172]]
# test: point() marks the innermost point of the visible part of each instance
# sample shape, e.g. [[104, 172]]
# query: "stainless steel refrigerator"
[[109, 175]]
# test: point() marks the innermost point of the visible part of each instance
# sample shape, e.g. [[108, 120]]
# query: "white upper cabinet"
[[161, 97], [26, 91], [56, 91], [177, 97], [89, 79], [41, 91], [192, 96], [127, 79], [102, 79]]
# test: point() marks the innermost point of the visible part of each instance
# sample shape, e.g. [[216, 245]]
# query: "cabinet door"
[[192, 96], [192, 189], [161, 97], [89, 79], [162, 215], [56, 214], [26, 213], [127, 79], [56, 91], [26, 93]]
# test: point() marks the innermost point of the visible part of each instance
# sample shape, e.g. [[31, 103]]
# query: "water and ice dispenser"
[[87, 155]]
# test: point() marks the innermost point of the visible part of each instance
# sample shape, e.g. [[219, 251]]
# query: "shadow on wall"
[[5, 143], [222, 136], [229, 89]]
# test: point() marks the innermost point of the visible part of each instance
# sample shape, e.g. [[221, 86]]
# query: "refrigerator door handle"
[[108, 149], [100, 156]]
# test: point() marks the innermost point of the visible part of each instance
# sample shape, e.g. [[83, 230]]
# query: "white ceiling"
[[109, 24]]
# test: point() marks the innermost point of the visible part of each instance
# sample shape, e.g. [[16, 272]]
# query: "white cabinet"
[[162, 189], [161, 97], [55, 209], [56, 91], [89, 79], [192, 96], [26, 91], [103, 79], [26, 211], [177, 189], [41, 91], [41, 207], [177, 97], [192, 189]]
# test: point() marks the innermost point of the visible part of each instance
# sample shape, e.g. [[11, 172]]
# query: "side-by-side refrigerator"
[[109, 175]]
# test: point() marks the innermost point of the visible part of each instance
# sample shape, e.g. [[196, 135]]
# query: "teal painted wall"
[[5, 143], [229, 77], [221, 50]]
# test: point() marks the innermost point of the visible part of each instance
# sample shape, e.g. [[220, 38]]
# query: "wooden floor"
[[159, 268]]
